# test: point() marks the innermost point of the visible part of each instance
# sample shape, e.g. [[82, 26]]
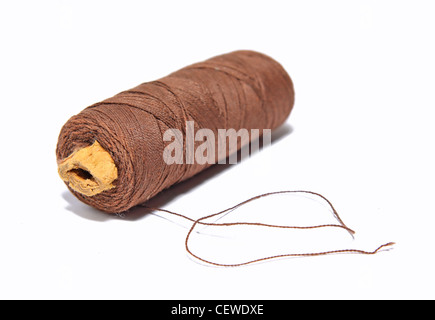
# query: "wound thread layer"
[[242, 89]]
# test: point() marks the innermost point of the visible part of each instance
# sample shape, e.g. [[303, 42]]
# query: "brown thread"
[[214, 224], [242, 89]]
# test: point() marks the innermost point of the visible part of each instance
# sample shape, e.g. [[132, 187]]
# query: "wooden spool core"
[[89, 171]]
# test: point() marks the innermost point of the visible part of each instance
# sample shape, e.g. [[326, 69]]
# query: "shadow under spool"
[[110, 155]]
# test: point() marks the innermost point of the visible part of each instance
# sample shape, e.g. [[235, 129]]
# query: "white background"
[[361, 133]]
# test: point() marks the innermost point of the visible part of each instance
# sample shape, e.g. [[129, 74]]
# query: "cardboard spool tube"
[[89, 171]]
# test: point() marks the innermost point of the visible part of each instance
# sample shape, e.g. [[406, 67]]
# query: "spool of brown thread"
[[110, 154]]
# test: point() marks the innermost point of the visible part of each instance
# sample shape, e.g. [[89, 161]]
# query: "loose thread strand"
[[259, 224]]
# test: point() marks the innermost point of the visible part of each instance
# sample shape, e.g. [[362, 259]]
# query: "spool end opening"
[[89, 171]]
